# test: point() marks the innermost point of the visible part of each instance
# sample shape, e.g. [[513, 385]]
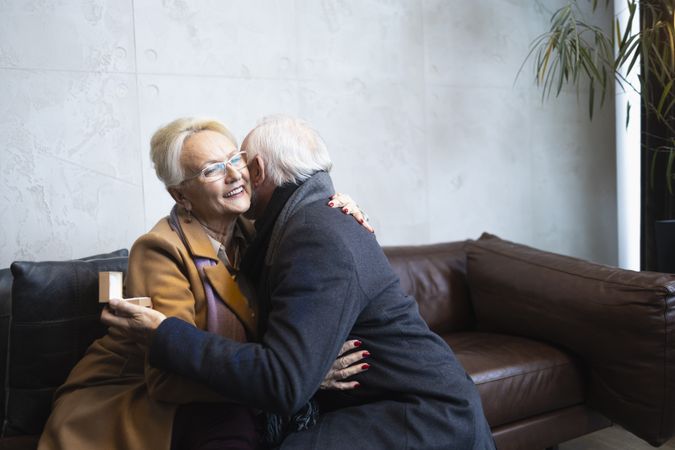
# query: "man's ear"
[[179, 197], [256, 170]]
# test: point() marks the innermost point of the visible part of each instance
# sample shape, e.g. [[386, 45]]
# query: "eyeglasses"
[[218, 170]]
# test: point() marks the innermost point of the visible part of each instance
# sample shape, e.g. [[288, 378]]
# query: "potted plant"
[[574, 51]]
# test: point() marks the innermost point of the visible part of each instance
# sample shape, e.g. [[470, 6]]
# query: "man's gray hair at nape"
[[292, 150]]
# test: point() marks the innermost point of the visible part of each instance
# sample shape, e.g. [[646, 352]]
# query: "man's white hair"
[[291, 149]]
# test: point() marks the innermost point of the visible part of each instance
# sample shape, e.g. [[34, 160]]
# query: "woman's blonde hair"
[[166, 145]]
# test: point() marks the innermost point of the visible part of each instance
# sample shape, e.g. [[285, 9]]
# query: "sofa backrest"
[[435, 275]]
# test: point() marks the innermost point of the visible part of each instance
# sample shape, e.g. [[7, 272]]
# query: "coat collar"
[[315, 188], [197, 241]]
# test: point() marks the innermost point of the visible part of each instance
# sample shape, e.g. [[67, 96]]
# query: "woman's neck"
[[221, 231]]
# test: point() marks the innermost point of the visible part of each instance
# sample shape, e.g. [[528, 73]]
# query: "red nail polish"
[[361, 221], [365, 366], [331, 204], [344, 210], [357, 385], [357, 343], [365, 354]]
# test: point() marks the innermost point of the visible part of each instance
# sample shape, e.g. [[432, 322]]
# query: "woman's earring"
[[189, 216]]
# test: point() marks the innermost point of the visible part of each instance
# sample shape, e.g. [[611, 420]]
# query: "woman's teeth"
[[234, 192]]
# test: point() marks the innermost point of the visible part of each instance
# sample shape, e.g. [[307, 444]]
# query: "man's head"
[[282, 149]]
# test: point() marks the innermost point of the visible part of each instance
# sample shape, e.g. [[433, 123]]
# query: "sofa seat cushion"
[[516, 377]]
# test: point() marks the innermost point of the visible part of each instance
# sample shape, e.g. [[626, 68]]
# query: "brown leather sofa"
[[558, 347]]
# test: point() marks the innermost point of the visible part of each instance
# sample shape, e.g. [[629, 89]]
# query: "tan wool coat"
[[112, 398]]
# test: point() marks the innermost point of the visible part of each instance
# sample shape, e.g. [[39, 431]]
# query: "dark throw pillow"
[[54, 318]]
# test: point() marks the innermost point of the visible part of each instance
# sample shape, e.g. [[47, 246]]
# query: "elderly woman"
[[113, 399]]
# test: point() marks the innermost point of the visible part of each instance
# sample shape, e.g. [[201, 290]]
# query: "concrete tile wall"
[[415, 98]]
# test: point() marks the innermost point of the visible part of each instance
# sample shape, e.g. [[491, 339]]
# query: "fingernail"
[[344, 210], [357, 343], [365, 354], [361, 221], [365, 366], [357, 385], [331, 204]]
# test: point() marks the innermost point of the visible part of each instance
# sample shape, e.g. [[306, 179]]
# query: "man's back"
[[329, 278]]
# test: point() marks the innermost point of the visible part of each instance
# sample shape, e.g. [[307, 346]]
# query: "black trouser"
[[211, 426]]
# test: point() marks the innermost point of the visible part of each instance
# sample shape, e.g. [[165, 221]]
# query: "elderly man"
[[320, 279]]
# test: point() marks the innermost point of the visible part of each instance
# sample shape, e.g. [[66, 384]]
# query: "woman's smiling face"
[[213, 201]]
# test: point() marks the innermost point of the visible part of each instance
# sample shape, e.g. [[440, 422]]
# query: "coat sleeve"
[[315, 301], [157, 270]]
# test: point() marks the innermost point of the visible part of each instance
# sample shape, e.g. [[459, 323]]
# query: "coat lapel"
[[227, 289], [221, 281], [197, 240]]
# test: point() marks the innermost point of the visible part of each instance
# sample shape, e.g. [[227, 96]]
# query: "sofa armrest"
[[619, 322]]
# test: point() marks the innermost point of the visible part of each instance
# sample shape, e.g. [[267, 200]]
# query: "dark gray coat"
[[328, 280]]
